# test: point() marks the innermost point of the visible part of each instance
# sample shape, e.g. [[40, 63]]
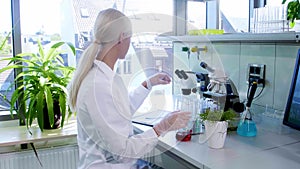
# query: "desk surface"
[[276, 146]]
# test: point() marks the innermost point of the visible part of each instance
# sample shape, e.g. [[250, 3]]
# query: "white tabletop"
[[268, 149], [275, 146]]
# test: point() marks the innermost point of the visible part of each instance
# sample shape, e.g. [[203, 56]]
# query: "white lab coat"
[[105, 131]]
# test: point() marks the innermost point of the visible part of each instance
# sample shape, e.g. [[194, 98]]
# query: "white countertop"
[[274, 149], [276, 146]]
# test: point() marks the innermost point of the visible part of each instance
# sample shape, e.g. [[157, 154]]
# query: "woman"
[[103, 105]]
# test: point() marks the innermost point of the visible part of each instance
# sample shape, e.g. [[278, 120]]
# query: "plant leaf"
[[63, 108], [10, 67], [51, 52], [14, 98], [49, 102], [40, 109], [31, 112], [41, 50], [72, 47]]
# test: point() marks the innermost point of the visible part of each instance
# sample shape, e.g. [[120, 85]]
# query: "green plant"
[[218, 115], [293, 11], [43, 82], [4, 47]]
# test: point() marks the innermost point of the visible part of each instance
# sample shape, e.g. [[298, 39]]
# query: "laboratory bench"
[[276, 146]]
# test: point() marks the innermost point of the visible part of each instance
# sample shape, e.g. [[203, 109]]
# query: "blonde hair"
[[108, 27]]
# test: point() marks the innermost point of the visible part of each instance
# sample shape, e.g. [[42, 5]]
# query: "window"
[[196, 14], [59, 20], [55, 20], [234, 15], [6, 78], [146, 55]]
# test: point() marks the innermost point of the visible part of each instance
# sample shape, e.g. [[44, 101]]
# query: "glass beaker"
[[184, 103]]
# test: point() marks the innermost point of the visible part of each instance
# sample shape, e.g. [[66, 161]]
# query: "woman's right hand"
[[172, 121]]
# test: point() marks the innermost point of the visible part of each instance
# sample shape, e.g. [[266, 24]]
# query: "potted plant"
[[216, 124], [43, 80], [293, 11]]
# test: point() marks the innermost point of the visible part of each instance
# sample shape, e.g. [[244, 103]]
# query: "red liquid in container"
[[184, 135]]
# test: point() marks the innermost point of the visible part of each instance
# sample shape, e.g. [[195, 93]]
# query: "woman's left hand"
[[159, 78]]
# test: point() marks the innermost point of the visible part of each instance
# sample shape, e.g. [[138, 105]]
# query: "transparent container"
[[247, 126], [188, 103]]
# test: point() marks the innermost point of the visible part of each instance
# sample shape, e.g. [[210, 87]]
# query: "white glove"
[[172, 121], [159, 78]]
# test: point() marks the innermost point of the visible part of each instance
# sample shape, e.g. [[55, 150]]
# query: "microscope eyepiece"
[[205, 66]]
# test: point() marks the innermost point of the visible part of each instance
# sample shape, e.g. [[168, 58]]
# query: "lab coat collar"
[[105, 68]]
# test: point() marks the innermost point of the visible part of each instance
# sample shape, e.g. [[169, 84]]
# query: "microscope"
[[188, 81], [222, 90]]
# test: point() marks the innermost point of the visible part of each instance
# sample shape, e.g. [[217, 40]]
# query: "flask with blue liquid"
[[247, 126]]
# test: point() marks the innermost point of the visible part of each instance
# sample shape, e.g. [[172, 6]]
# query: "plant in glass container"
[[42, 85]]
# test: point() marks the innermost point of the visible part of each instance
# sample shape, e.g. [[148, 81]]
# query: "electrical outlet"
[[256, 72]]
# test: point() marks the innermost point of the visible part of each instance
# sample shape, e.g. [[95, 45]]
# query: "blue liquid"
[[247, 128]]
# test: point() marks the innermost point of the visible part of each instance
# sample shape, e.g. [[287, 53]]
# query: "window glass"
[[275, 2], [147, 55], [196, 14], [72, 20], [7, 77], [234, 19]]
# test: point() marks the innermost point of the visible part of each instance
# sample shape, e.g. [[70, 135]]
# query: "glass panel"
[[72, 20], [7, 77], [146, 55], [275, 2], [49, 21], [196, 14], [234, 19]]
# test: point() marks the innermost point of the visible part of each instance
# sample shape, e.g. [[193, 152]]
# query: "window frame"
[[16, 48]]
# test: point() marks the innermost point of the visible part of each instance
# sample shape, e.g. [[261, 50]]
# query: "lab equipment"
[[194, 49], [188, 81], [247, 126], [188, 104], [197, 50], [172, 121], [222, 90], [203, 79], [184, 135], [189, 99], [256, 72]]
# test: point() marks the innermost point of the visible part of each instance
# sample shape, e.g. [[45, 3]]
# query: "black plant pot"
[[57, 116]]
